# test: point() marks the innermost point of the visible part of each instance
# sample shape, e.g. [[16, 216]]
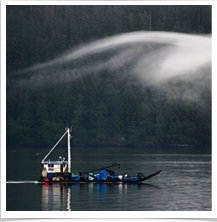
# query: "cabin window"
[[50, 167]]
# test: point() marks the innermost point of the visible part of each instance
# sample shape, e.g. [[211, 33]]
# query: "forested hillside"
[[108, 107]]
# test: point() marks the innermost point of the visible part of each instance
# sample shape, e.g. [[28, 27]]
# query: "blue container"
[[103, 174], [133, 178], [75, 177], [97, 176], [114, 176], [50, 175]]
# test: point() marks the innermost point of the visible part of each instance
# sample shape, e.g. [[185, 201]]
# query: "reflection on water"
[[184, 184], [54, 197], [61, 197]]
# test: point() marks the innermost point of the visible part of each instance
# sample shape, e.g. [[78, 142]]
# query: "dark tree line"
[[102, 109]]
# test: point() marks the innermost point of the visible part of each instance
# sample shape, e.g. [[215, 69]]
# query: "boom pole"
[[113, 165]]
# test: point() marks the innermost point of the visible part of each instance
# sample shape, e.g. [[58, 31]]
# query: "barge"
[[60, 171]]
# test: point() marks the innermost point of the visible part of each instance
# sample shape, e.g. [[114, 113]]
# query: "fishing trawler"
[[60, 171]]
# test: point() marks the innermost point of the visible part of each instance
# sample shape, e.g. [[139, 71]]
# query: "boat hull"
[[88, 181], [108, 180]]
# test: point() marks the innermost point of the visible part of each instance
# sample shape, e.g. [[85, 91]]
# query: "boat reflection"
[[67, 197], [56, 197]]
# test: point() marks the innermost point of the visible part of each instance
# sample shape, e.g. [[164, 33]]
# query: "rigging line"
[[58, 149], [54, 147]]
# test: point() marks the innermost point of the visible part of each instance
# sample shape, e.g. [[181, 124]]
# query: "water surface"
[[183, 185]]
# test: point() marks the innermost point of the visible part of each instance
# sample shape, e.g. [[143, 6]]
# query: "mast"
[[69, 151]]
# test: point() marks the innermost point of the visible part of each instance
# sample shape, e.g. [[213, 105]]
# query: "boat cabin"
[[54, 168]]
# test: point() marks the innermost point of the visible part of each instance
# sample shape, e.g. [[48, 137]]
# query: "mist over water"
[[154, 57]]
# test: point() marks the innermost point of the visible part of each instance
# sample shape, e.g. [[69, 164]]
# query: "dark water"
[[183, 185]]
